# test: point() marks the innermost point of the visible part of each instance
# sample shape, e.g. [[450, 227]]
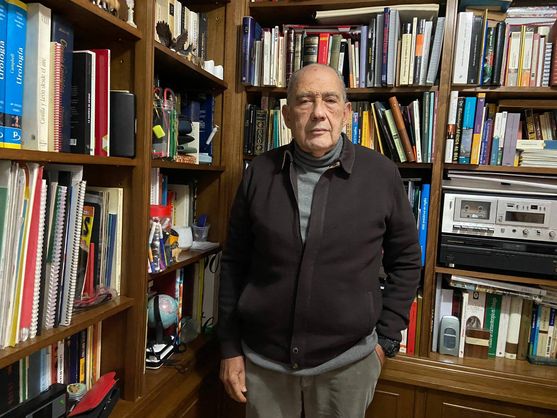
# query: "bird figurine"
[[177, 44]]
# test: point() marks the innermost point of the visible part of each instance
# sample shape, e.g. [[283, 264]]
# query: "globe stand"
[[161, 348]]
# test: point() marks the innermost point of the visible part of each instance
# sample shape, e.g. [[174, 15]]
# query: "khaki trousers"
[[341, 393]]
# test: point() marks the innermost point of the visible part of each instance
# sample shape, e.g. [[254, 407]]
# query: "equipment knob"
[[551, 234], [525, 232]]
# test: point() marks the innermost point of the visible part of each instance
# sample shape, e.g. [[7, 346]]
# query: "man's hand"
[[380, 354], [233, 375]]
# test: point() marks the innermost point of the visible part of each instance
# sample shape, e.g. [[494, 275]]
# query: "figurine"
[[178, 44], [130, 4]]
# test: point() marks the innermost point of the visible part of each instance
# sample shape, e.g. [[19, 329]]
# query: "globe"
[[168, 308]]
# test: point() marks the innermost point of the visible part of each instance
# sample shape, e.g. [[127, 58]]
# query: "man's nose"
[[318, 109]]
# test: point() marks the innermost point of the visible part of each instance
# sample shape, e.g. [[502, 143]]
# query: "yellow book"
[[521, 56], [377, 131], [366, 140]]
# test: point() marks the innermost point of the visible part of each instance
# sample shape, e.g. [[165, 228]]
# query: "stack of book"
[[403, 133], [508, 49], [486, 134], [369, 47]]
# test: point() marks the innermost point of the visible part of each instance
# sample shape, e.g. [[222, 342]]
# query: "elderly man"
[[303, 321]]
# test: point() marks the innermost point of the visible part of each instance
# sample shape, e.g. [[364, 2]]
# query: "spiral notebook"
[[39, 261], [54, 256], [72, 252]]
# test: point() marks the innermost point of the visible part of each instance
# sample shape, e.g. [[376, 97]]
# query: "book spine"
[[478, 129], [290, 54], [474, 62], [364, 69], [498, 49], [462, 49], [248, 32], [385, 50], [524, 333], [34, 129], [487, 66], [458, 130], [424, 215], [15, 58], [62, 32], [401, 128], [419, 52], [451, 127], [433, 68], [511, 345], [3, 33], [102, 102]]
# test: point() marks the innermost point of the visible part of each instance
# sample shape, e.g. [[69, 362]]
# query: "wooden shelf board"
[[84, 12], [508, 91], [502, 169], [422, 166], [514, 381], [269, 13], [497, 277], [182, 166], [171, 64], [63, 157], [352, 92], [185, 259], [80, 321], [155, 380]]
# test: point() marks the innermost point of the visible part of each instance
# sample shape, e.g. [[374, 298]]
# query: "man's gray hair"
[[292, 83]]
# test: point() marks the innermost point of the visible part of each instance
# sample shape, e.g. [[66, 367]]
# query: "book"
[[82, 133], [3, 33], [16, 22], [102, 102], [34, 127]]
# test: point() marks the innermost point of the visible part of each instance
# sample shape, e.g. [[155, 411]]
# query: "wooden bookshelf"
[[184, 73], [83, 13], [64, 158], [507, 92], [502, 169], [80, 320], [495, 276], [353, 93], [186, 258], [173, 165]]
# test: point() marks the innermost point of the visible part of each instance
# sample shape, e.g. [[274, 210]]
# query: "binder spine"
[[56, 258], [68, 308], [39, 260]]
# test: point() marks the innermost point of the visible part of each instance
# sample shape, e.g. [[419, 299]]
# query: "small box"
[[476, 343]]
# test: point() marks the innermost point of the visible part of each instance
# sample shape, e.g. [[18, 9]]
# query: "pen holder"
[[200, 233]]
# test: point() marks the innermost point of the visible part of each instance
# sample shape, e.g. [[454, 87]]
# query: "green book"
[[492, 314]]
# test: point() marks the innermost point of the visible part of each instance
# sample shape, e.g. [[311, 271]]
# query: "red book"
[[412, 321], [323, 48], [31, 260], [102, 102]]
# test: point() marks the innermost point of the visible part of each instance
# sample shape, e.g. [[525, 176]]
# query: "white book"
[[378, 49], [177, 19], [267, 47], [463, 308], [535, 56], [513, 61], [526, 63], [503, 325], [436, 48], [513, 330], [34, 129], [60, 362], [544, 313], [425, 57], [258, 47], [500, 285], [155, 193], [181, 206], [281, 70], [39, 259], [462, 49], [6, 193], [547, 63], [451, 120], [475, 311], [541, 54], [413, 50], [405, 51], [417, 130]]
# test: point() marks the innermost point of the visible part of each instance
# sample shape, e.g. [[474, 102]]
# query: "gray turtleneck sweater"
[[308, 170]]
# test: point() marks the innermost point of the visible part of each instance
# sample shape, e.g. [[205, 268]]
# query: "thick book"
[[462, 47], [82, 102], [251, 31], [15, 56], [478, 129], [423, 221], [499, 47], [436, 48], [55, 108], [401, 127], [3, 26], [34, 129], [62, 32]]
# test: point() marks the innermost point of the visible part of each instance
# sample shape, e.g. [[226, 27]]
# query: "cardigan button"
[[295, 350]]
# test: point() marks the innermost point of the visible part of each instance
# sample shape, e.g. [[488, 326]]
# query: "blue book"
[[484, 158], [536, 313], [355, 129], [251, 31], [467, 130], [424, 214], [15, 58], [3, 27], [62, 32], [206, 112], [494, 151]]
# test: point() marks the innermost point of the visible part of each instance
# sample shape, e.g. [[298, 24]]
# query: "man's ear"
[[286, 115], [347, 112]]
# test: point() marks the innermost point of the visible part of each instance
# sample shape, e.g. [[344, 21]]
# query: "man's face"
[[317, 112]]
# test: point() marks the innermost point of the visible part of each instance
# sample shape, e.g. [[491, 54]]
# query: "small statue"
[[178, 44], [130, 4]]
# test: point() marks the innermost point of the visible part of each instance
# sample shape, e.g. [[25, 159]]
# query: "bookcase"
[[135, 59], [429, 384]]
